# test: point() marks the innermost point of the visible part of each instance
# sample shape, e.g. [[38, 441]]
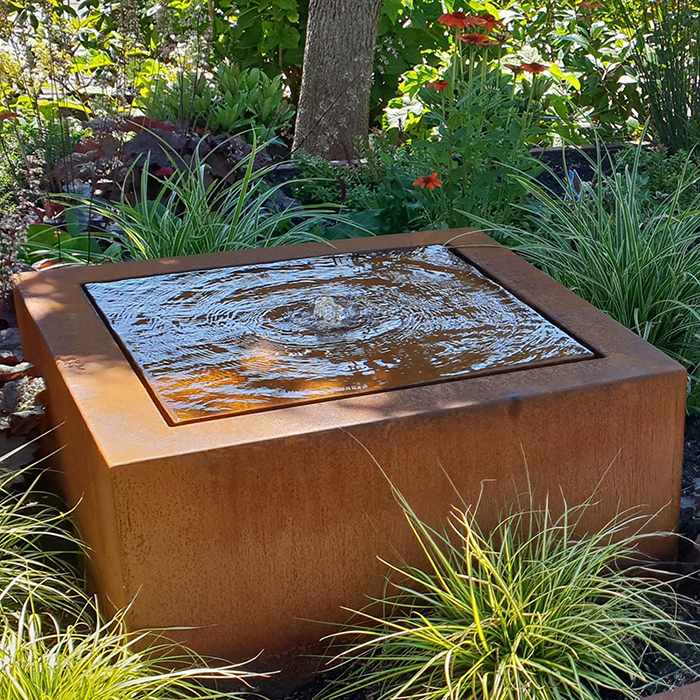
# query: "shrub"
[[324, 182], [476, 126], [532, 609], [636, 260], [667, 56], [661, 173], [482, 124], [193, 212], [375, 191], [477, 117], [40, 660], [230, 101], [36, 546]]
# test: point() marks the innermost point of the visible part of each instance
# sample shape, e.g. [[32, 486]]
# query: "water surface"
[[237, 339]]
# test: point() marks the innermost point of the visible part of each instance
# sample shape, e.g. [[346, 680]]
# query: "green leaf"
[[570, 78]]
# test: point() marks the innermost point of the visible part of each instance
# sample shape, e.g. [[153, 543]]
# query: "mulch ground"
[[689, 524]]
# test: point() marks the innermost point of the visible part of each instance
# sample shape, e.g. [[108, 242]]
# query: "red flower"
[[8, 115], [534, 68], [453, 19], [516, 69], [164, 171], [476, 39], [474, 21], [428, 182], [490, 22], [438, 85], [460, 20]]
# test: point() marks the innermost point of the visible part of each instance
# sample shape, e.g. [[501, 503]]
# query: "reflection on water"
[[231, 340]]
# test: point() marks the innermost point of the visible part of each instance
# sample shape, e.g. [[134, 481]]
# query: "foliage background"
[[117, 44]]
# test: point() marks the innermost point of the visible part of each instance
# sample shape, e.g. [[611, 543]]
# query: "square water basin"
[[228, 340], [216, 416]]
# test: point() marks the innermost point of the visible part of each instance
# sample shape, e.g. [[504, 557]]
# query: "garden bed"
[[688, 527]]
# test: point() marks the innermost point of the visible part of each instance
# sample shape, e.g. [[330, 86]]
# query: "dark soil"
[[689, 524]]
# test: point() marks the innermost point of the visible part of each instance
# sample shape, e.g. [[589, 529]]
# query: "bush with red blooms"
[[480, 120]]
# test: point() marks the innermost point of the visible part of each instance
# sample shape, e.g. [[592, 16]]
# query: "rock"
[[75, 165], [20, 408], [11, 357], [281, 201], [692, 555], [688, 503], [16, 453], [26, 423], [20, 397], [9, 372], [10, 339]]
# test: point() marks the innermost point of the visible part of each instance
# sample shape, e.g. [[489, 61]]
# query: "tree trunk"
[[333, 108]]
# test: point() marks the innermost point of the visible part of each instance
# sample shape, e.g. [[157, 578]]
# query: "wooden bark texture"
[[338, 63]]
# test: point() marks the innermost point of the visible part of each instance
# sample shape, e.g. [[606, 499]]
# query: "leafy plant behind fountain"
[[531, 610], [230, 101], [194, 213], [666, 52], [633, 257]]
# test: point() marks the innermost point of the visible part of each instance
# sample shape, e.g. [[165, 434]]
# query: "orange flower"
[[490, 22], [438, 85], [8, 115], [534, 68], [453, 19], [460, 20], [428, 182], [476, 39], [474, 21]]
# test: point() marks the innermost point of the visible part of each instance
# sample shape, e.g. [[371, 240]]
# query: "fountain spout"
[[329, 313]]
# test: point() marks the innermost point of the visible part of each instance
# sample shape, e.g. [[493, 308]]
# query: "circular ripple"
[[250, 333]]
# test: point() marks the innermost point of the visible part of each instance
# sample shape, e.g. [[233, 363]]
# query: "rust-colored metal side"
[[84, 475], [249, 526]]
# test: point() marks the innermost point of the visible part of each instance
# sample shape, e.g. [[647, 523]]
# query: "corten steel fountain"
[[217, 413]]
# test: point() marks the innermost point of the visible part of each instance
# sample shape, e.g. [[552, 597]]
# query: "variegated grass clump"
[[37, 547], [54, 644], [636, 260], [533, 610], [40, 659], [194, 213]]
